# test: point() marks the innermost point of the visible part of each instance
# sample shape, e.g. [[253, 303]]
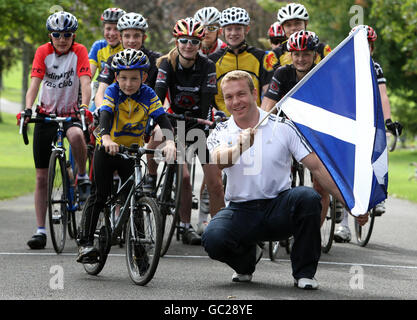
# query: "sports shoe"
[[84, 188], [237, 277], [149, 183], [38, 241], [87, 254], [342, 234], [191, 237], [339, 212], [201, 227], [306, 283], [379, 209]]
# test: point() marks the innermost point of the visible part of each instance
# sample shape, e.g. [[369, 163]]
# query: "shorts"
[[44, 135]]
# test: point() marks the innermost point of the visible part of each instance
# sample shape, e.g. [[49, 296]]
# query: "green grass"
[[12, 84], [17, 170], [399, 172]]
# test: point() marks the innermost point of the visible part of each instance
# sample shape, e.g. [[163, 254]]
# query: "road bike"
[[63, 201], [169, 183], [135, 212]]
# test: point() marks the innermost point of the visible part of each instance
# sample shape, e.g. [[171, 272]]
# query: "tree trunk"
[[26, 55]]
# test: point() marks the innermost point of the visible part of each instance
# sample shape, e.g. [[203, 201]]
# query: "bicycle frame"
[[72, 205], [135, 182]]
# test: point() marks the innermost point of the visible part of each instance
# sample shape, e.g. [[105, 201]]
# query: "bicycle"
[[169, 184], [363, 233], [62, 193], [140, 218]]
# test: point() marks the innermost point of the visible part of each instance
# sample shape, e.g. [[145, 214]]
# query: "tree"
[[161, 16], [22, 26]]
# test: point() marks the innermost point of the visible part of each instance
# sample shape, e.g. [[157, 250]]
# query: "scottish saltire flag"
[[337, 108]]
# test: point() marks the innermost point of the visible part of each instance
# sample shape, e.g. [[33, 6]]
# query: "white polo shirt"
[[264, 170]]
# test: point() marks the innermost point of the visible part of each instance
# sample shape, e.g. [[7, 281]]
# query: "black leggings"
[[104, 167]]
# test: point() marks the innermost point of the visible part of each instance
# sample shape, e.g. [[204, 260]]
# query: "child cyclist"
[[61, 70], [102, 49], [127, 105]]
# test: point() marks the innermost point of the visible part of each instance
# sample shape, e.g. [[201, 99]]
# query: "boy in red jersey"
[[60, 68]]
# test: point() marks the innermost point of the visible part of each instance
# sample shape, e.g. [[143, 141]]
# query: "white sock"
[[184, 225], [41, 230], [83, 176]]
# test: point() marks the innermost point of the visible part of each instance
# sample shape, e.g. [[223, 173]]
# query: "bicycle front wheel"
[[363, 233], [169, 201], [57, 200], [143, 241], [327, 228]]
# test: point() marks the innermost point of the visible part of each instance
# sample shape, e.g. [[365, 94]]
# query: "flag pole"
[[275, 107]]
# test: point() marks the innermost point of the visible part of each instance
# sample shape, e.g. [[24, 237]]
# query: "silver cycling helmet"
[[208, 16], [234, 15], [292, 11], [132, 20], [130, 59], [112, 15], [62, 21]]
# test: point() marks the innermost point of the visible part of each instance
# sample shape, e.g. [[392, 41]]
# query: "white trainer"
[[342, 234], [237, 277], [306, 283]]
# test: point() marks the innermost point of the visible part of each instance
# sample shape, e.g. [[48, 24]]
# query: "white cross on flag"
[[337, 108]]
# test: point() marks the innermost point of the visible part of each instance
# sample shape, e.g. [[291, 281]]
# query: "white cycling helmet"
[[208, 16], [112, 15], [132, 20], [234, 15], [292, 11], [62, 21]]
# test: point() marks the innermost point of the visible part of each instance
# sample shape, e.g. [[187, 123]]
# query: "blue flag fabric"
[[337, 108]]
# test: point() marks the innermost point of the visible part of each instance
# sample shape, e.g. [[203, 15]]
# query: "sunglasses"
[[194, 42], [58, 35], [211, 28]]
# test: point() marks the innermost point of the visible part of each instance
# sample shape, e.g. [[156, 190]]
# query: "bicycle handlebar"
[[196, 120], [51, 118]]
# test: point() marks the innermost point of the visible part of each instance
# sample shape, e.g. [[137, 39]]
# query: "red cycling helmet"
[[303, 40], [276, 30], [188, 27], [372, 36]]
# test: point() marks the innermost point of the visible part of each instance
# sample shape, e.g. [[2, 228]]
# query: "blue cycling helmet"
[[130, 59], [62, 22]]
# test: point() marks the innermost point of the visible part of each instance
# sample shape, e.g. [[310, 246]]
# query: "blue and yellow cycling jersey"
[[100, 52], [130, 113]]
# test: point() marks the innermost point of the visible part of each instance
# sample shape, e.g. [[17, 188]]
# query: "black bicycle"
[[139, 215], [63, 200], [169, 184]]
